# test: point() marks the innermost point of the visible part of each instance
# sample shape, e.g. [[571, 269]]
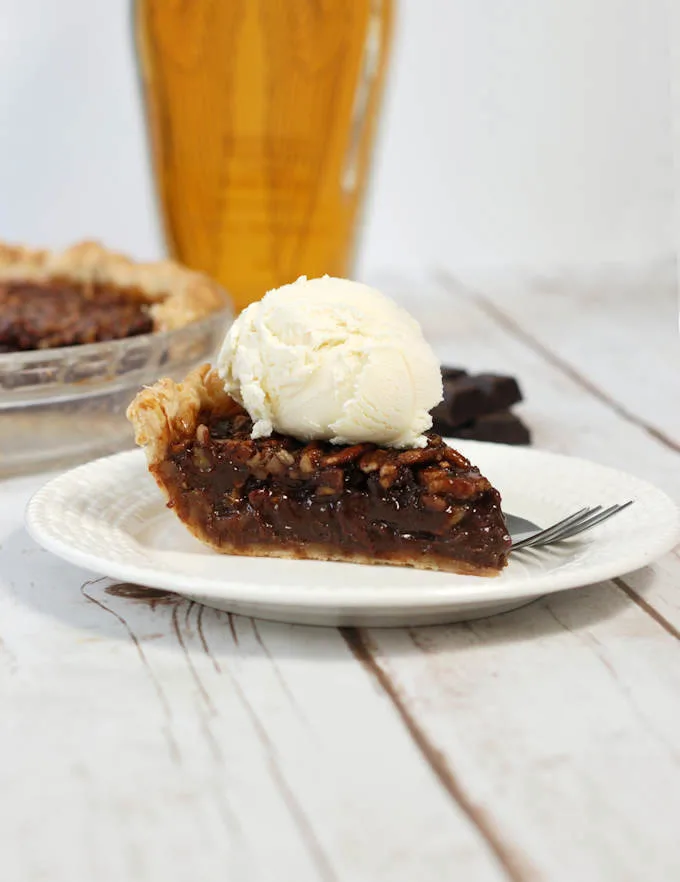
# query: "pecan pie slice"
[[88, 294], [280, 497]]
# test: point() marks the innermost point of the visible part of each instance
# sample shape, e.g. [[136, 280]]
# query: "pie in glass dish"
[[88, 294], [280, 496]]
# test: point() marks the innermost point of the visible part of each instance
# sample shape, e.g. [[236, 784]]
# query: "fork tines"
[[584, 519]]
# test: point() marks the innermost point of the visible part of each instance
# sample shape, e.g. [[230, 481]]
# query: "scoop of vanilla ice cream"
[[330, 359]]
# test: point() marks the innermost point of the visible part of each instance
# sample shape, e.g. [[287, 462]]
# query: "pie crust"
[[177, 295]]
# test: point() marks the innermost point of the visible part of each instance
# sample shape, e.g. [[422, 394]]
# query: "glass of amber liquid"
[[262, 116]]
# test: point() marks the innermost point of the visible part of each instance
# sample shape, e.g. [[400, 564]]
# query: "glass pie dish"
[[64, 405]]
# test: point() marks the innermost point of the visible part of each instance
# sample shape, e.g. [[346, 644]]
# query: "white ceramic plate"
[[108, 516]]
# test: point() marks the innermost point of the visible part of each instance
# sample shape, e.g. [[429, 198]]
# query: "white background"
[[517, 133]]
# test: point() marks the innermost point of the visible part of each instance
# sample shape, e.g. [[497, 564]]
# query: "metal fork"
[[526, 534]]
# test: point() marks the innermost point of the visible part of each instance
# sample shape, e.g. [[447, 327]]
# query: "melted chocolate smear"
[[152, 596]]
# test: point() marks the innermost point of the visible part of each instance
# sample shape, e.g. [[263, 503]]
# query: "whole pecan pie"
[[281, 497], [88, 294]]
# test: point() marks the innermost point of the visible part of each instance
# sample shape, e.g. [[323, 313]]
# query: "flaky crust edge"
[[167, 412], [178, 295]]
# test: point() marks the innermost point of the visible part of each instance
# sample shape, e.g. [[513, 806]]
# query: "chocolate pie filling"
[[381, 503], [66, 313]]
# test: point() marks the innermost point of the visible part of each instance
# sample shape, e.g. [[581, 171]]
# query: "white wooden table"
[[162, 741]]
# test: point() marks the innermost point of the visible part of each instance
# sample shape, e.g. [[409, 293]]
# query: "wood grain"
[[561, 721], [172, 726]]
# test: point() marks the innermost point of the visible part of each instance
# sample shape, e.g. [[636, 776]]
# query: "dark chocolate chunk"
[[503, 427], [452, 373], [470, 396], [475, 406]]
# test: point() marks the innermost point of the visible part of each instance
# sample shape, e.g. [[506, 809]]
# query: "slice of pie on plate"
[[281, 497], [89, 294]]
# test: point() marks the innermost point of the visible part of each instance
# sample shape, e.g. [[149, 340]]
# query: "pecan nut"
[[439, 481], [241, 451], [203, 435], [345, 455], [240, 422], [432, 502], [201, 459], [310, 459], [419, 456], [285, 457], [454, 457], [330, 482], [373, 461], [388, 475]]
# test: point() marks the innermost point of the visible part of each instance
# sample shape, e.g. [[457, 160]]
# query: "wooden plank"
[[170, 741], [561, 719]]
